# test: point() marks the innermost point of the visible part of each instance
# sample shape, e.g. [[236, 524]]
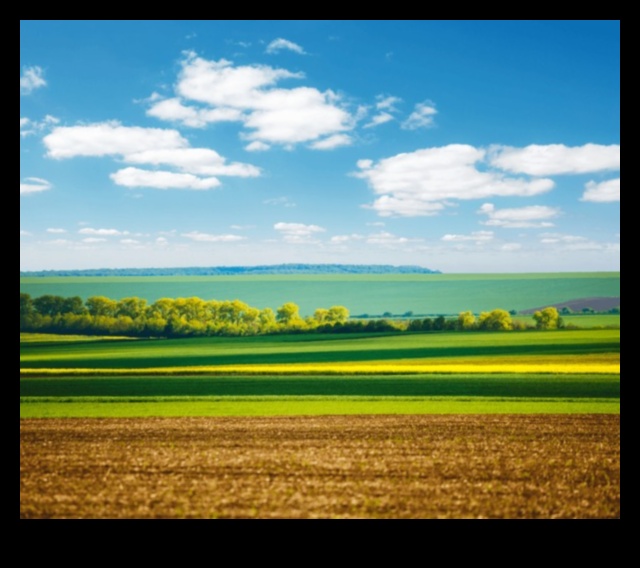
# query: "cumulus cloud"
[[332, 142], [92, 240], [56, 230], [478, 237], [387, 102], [158, 179], [28, 126], [519, 218], [34, 185], [575, 243], [554, 159], [209, 238], [24, 233], [109, 139], [602, 192], [173, 110], [249, 94], [257, 146], [279, 44], [421, 117], [197, 167], [423, 182], [31, 79], [385, 238], [342, 239], [200, 161], [298, 232], [378, 119], [101, 232]]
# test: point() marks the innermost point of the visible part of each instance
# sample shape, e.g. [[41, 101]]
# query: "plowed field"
[[410, 466]]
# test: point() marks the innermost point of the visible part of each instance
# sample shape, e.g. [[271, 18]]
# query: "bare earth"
[[427, 466]]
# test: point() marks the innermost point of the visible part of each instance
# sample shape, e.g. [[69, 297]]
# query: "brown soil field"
[[427, 466], [600, 304]]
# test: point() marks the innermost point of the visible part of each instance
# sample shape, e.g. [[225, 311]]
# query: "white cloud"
[[519, 218], [602, 192], [553, 238], [298, 233], [109, 138], [387, 103], [553, 159], [479, 237], [279, 44], [24, 233], [56, 230], [31, 79], [385, 238], [248, 94], [341, 239], [34, 185], [94, 240], [208, 238], [379, 119], [334, 141], [199, 161], [28, 126], [146, 146], [135, 177], [421, 183], [174, 110], [242, 227], [129, 242], [421, 117], [102, 232], [575, 243], [162, 241], [257, 146]]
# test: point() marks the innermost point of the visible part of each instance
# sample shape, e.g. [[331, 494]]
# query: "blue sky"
[[463, 146]]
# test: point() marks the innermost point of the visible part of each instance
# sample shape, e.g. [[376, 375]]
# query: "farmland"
[[361, 294], [414, 425], [451, 466]]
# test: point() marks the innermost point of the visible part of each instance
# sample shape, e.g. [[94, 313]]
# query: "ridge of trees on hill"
[[195, 317], [241, 270]]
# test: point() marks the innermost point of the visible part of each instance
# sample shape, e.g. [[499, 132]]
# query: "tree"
[[547, 318], [337, 314], [48, 305], [101, 306], [495, 320], [466, 320], [288, 313]]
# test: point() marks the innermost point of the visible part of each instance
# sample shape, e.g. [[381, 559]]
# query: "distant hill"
[[598, 303], [241, 270]]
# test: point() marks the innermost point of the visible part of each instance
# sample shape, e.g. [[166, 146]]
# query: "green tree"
[[288, 313], [101, 306], [337, 314], [495, 320], [547, 318], [466, 320]]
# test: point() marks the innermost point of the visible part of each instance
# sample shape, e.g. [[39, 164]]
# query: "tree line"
[[195, 317]]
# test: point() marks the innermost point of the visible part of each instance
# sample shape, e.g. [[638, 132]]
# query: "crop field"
[[453, 466], [361, 294], [414, 425]]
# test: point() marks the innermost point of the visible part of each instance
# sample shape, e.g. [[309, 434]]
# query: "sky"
[[460, 146]]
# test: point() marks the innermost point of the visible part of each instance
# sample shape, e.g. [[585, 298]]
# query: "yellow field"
[[606, 363]]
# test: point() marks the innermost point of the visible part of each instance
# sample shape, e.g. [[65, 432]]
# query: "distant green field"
[[312, 348], [311, 406], [361, 294]]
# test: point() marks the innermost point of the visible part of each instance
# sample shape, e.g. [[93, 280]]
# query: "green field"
[[316, 348], [141, 391], [361, 294]]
